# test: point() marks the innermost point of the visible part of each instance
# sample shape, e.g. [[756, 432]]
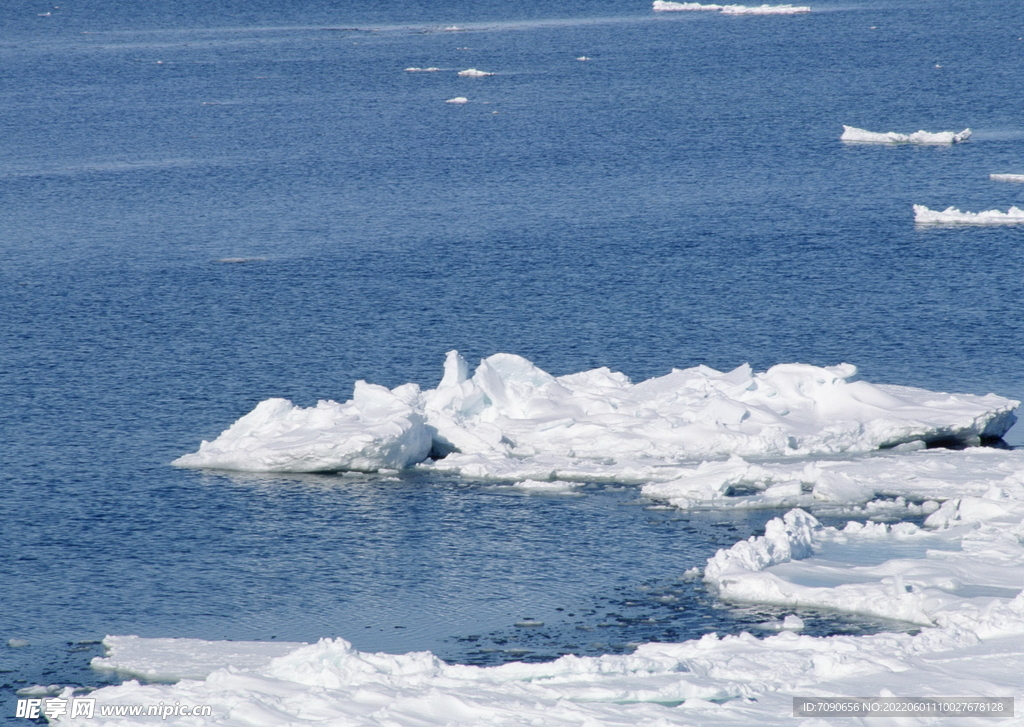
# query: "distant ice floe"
[[1007, 177], [458, 100], [665, 6], [853, 134], [513, 421], [474, 73], [414, 69], [953, 216]]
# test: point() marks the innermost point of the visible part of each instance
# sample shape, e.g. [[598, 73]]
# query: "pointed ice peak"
[[456, 370]]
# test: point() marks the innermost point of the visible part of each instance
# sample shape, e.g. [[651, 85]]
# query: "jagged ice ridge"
[[512, 420]]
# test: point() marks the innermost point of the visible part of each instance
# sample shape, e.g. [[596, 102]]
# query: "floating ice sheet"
[[953, 216], [897, 483], [666, 6], [513, 421], [853, 134]]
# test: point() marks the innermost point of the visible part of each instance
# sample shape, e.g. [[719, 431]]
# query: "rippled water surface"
[[207, 207]]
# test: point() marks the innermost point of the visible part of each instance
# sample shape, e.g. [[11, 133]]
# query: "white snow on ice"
[[666, 6], [953, 216], [513, 421], [897, 483], [170, 660], [918, 137]]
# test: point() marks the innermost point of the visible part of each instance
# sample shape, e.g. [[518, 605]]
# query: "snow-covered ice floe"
[[953, 216], [511, 420], [666, 6], [959, 577], [1006, 177], [474, 73], [918, 137], [962, 571], [378, 429]]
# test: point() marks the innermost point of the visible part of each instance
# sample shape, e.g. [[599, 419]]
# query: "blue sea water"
[[203, 205]]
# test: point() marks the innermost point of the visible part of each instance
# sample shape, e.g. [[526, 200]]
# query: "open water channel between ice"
[[477, 573]]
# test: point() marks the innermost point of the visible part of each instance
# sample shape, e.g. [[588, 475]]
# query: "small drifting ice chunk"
[[415, 69], [953, 216], [377, 429], [474, 73], [666, 6], [1006, 177], [583, 58], [458, 100], [861, 136], [555, 487], [40, 690], [764, 10]]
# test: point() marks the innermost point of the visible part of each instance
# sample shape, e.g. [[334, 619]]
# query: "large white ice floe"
[[853, 134], [953, 216], [666, 6], [377, 429], [511, 420]]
